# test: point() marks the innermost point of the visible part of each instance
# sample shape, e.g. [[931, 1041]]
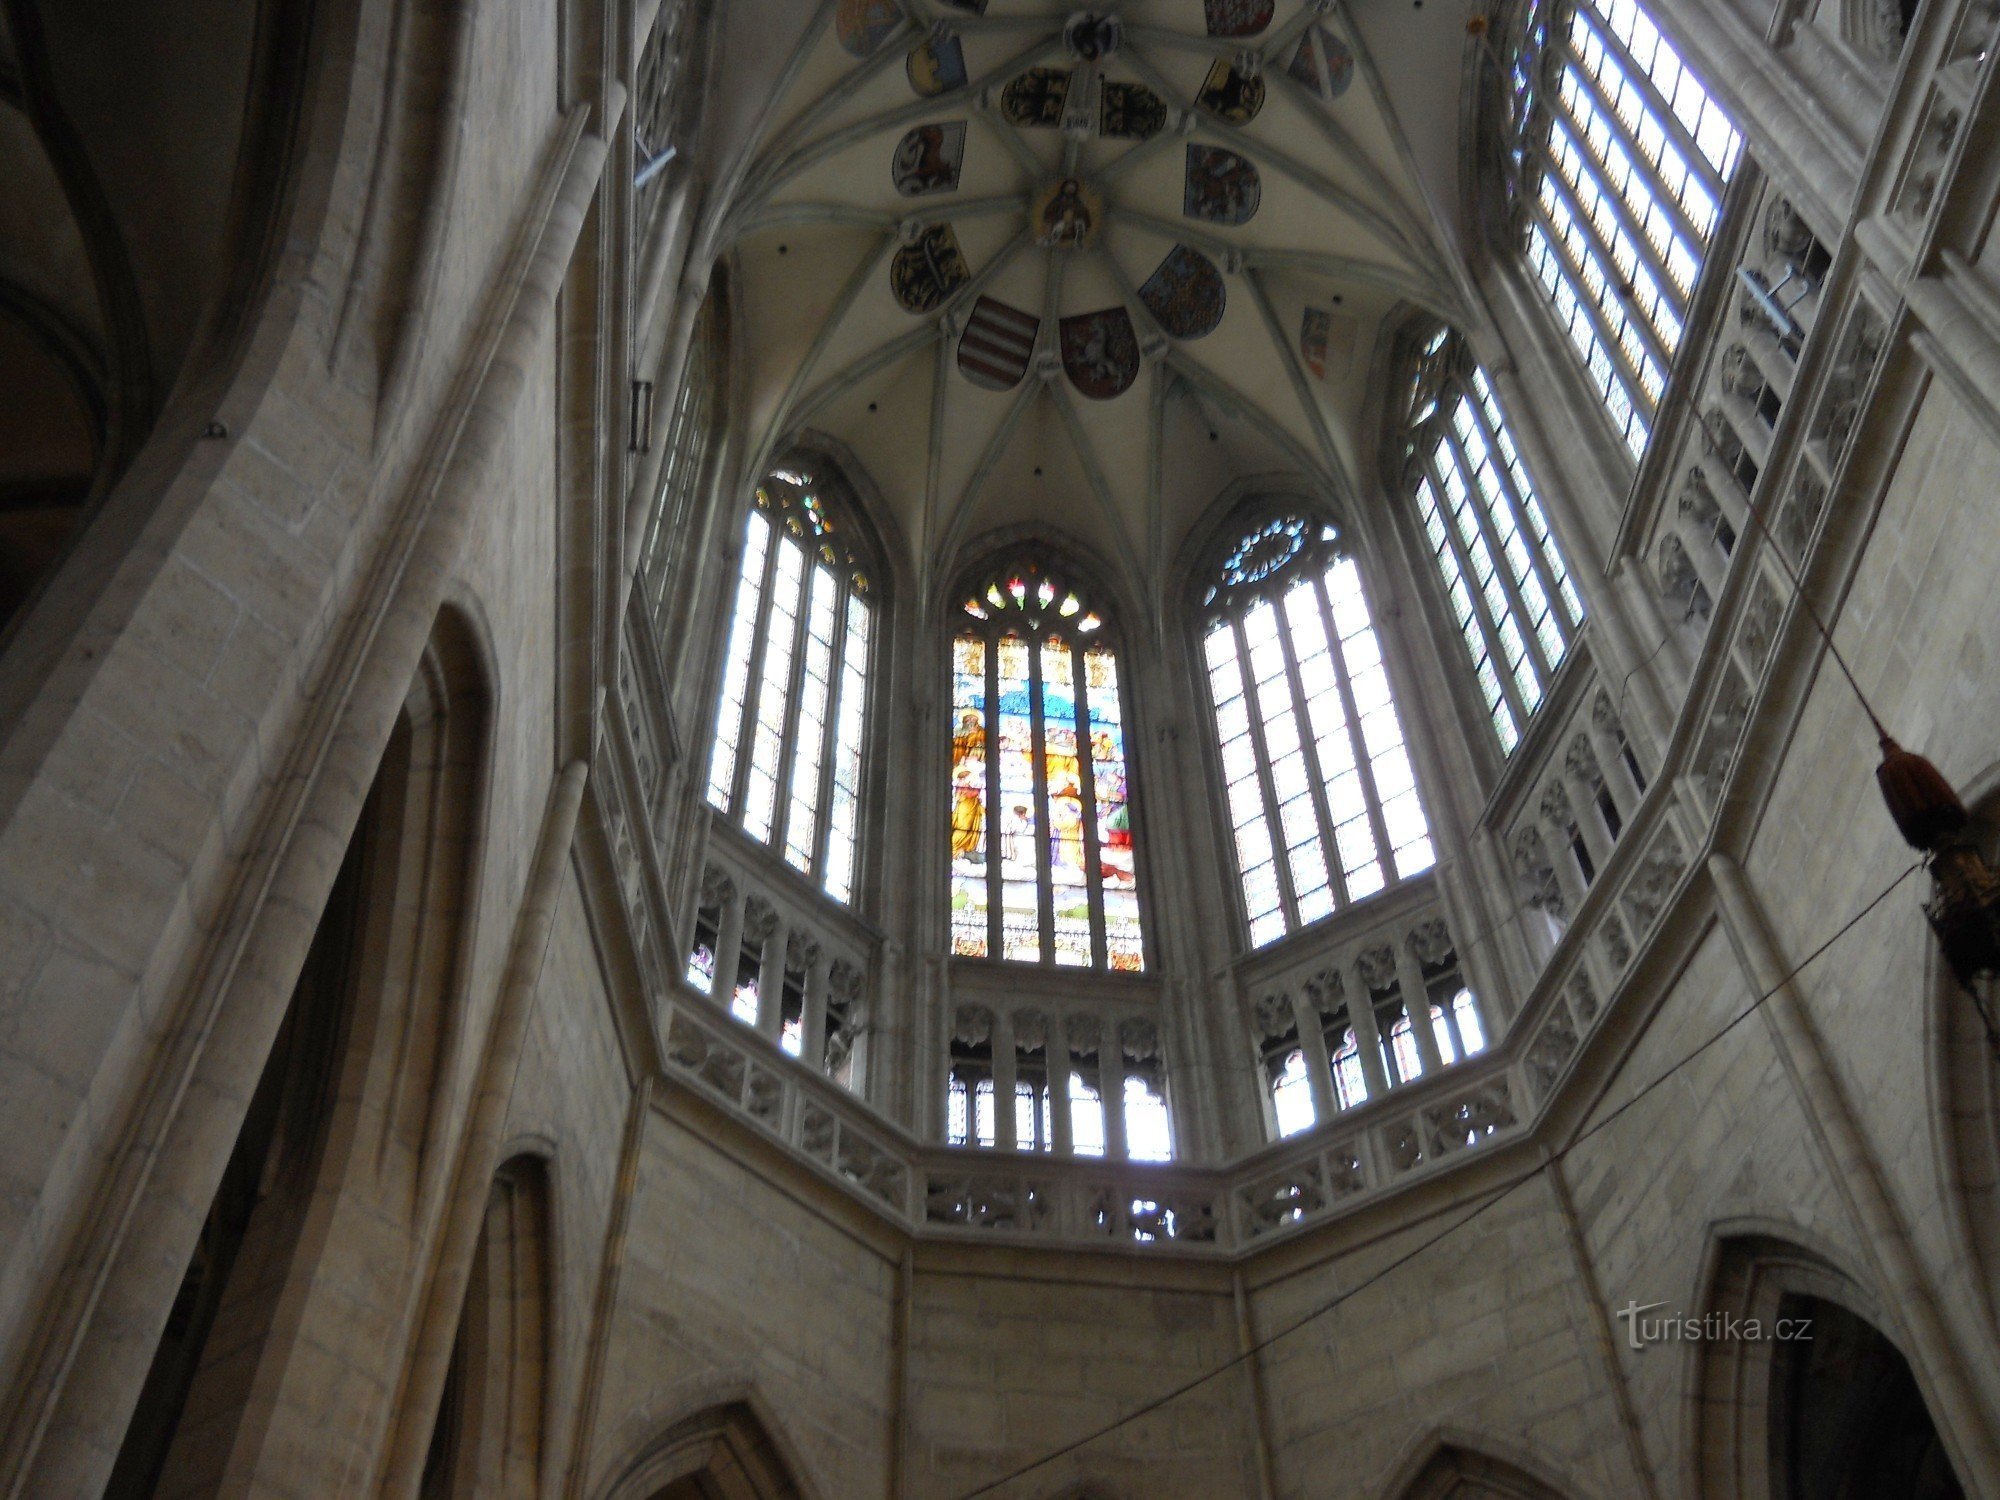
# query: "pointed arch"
[[1826, 1382], [1320, 791], [728, 1451], [346, 1136], [1449, 1465], [1043, 862], [490, 1436]]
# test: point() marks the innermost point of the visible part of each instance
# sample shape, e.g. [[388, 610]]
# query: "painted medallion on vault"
[[1036, 97], [1322, 63], [1100, 350], [1222, 187], [928, 158], [1237, 17], [1230, 94], [864, 25], [1185, 294], [1129, 111], [1067, 214], [928, 270], [938, 66], [997, 344]]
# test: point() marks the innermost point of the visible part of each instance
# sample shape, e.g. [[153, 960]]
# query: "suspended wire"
[[1493, 1198]]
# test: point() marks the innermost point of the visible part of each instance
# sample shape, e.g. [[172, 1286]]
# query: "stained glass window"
[[786, 762], [1620, 160], [1504, 577], [1041, 826], [1321, 795]]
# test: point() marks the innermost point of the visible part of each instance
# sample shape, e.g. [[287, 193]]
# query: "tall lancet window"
[[786, 763], [1041, 822], [1322, 797], [1510, 591], [1620, 158]]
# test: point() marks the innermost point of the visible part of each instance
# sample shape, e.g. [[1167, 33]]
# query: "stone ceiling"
[[1033, 264]]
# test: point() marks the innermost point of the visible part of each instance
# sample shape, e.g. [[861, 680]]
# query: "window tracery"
[[1509, 588], [1042, 862], [1619, 161], [787, 758], [1321, 795]]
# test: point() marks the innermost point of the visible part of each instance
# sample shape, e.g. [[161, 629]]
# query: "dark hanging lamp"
[[1964, 909]]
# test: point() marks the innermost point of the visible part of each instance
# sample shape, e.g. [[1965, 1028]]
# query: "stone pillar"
[[728, 944], [1319, 1060], [819, 965], [1062, 1133], [1111, 1088], [1361, 1016], [1005, 1135], [771, 977], [1417, 1004]]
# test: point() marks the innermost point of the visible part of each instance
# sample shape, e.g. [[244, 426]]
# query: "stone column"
[[771, 977], [728, 944], [1417, 1004], [1361, 1016], [1111, 1088], [819, 965], [1319, 1060], [1004, 1134], [1062, 1133]]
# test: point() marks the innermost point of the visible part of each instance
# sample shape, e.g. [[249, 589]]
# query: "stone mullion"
[[788, 737], [1517, 503], [1663, 116], [1253, 707], [1481, 616], [829, 757], [1045, 905], [1371, 797], [1587, 226], [1503, 566], [753, 682], [1607, 337], [995, 928], [1086, 782], [1308, 738]]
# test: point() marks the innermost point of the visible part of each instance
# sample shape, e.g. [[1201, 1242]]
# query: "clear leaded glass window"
[[1041, 825], [1620, 160], [1509, 589], [1322, 798], [788, 736]]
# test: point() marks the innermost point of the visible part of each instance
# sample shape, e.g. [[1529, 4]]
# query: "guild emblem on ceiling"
[[1185, 294], [864, 25], [928, 159], [928, 269], [997, 345], [1322, 63], [1327, 343], [1067, 214], [1100, 351], [938, 66], [1237, 17], [1315, 328], [1036, 97], [1222, 187], [1129, 111], [1230, 94]]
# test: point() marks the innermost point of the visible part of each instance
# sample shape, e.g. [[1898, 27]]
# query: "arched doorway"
[[723, 1453]]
